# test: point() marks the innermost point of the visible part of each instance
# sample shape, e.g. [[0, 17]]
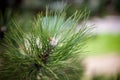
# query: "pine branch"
[[51, 43]]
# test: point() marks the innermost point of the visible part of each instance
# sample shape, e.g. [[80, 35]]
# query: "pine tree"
[[48, 51]]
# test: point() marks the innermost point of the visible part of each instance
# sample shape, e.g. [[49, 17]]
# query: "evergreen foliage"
[[48, 51]]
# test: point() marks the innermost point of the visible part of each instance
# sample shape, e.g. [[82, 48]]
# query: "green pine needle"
[[47, 51]]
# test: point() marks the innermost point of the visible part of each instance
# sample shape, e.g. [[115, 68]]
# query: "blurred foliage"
[[97, 7], [104, 43]]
